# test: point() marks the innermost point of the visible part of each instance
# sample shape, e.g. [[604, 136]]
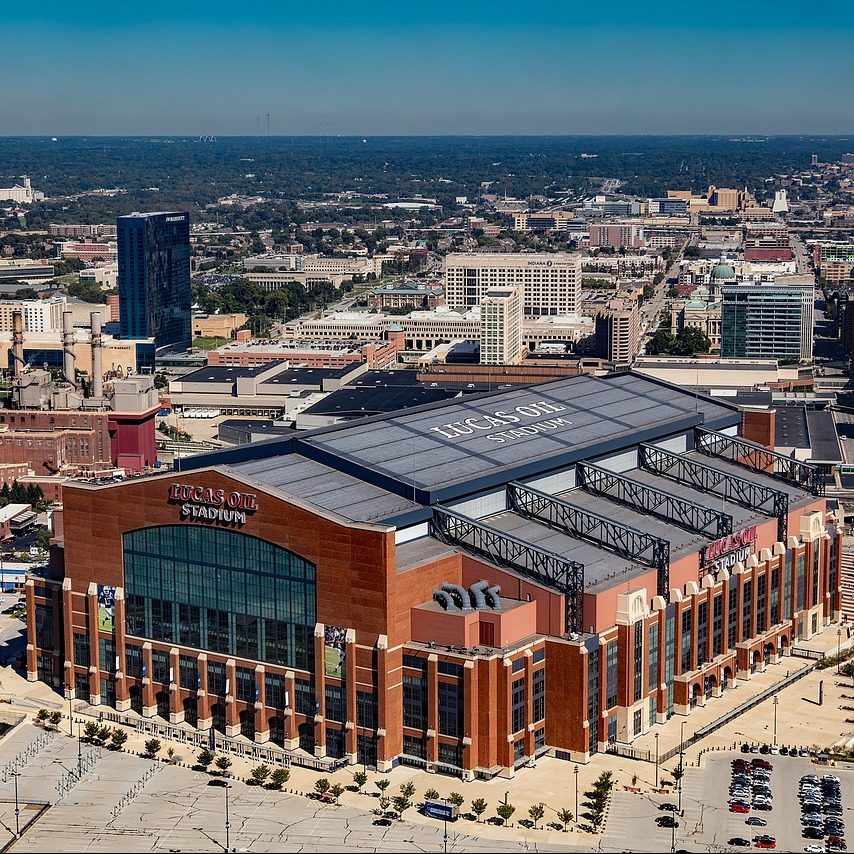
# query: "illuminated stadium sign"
[[729, 550], [203, 503]]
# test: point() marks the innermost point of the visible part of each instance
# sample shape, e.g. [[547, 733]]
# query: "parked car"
[[742, 808], [814, 849], [755, 821], [667, 807], [666, 821], [763, 763], [739, 842], [812, 833]]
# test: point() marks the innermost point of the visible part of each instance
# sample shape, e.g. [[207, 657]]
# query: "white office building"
[[501, 326]]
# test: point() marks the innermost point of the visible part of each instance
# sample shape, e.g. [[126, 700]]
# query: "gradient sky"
[[463, 67]]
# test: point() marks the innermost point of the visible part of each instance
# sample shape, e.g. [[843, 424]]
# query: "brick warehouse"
[[460, 586]]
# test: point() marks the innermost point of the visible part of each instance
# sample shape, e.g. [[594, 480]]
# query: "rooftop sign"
[[500, 418], [729, 550], [202, 503]]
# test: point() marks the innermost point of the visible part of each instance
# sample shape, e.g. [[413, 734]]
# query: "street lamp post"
[[227, 824], [838, 649], [70, 720], [445, 823], [776, 703], [79, 751], [681, 763], [656, 760], [15, 775], [576, 794]]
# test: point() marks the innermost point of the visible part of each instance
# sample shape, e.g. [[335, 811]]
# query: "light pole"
[[227, 825], [445, 822], [656, 760], [79, 752], [776, 703], [15, 775], [838, 649], [681, 763], [576, 794], [69, 689]]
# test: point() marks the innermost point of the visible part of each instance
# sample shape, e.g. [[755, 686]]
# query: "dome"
[[722, 272], [394, 327]]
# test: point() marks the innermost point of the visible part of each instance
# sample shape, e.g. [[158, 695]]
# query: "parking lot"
[[707, 822]]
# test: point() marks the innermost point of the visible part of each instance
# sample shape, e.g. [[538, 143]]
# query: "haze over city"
[[379, 68]]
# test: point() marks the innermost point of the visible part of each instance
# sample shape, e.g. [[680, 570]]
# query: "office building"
[[618, 331], [154, 278], [550, 283], [767, 322], [501, 326], [461, 587], [617, 235]]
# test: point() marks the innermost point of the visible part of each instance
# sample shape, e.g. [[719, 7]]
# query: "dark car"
[[668, 807], [765, 749], [784, 751], [812, 833], [739, 842], [762, 806], [220, 783], [666, 821], [745, 748], [382, 822], [756, 821]]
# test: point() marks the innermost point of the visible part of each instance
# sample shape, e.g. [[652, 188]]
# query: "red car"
[[836, 840], [739, 808], [761, 763], [765, 842]]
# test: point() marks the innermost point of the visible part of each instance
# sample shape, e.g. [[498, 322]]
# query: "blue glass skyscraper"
[[154, 278]]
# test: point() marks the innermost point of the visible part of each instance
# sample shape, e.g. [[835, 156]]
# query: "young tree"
[[336, 790], [401, 804], [505, 811], [90, 730], [360, 778], [104, 733], [321, 786], [279, 777], [537, 811], [118, 738], [456, 799], [565, 816], [152, 746], [382, 785], [431, 795], [260, 773], [407, 789], [478, 807], [384, 802], [223, 763], [205, 758], [55, 718], [170, 753], [42, 714]]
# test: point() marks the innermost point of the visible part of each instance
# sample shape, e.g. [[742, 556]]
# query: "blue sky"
[[465, 67]]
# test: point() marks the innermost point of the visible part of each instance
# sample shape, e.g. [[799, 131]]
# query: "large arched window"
[[222, 591]]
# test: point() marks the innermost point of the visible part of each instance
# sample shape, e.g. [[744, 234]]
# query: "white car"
[[815, 849]]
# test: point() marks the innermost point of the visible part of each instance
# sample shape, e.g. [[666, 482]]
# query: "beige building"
[[699, 312], [310, 269], [550, 283], [618, 331], [45, 316], [217, 325], [105, 276], [501, 326]]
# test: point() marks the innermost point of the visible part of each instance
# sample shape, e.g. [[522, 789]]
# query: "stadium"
[[462, 586]]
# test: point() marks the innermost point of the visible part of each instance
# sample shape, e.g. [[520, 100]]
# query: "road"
[[802, 258]]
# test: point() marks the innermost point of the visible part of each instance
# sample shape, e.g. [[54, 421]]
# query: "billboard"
[[334, 639], [106, 607]]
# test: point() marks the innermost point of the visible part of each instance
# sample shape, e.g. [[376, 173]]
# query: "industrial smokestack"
[[68, 346], [17, 342], [97, 368]]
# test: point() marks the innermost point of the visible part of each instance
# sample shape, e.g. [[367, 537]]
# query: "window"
[[638, 721], [449, 668], [334, 743], [653, 657], [450, 754], [702, 632], [189, 672], [220, 590], [801, 604], [732, 613], [761, 613], [637, 672], [539, 655], [44, 668], [81, 650], [108, 692], [519, 696], [81, 686], [133, 661], [611, 655], [775, 597], [451, 708], [216, 678], [414, 661], [518, 665], [245, 685], [593, 700], [414, 701], [414, 746], [159, 666], [787, 587], [669, 654], [366, 750], [816, 571], [366, 709], [539, 694], [335, 709], [305, 699], [687, 623], [718, 626], [44, 627], [747, 611], [274, 690], [107, 655]]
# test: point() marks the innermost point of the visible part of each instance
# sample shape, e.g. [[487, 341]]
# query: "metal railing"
[[32, 749], [128, 796]]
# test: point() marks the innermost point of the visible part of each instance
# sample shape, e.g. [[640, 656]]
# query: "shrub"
[[279, 777], [321, 786], [260, 773], [118, 738], [360, 778], [205, 758], [223, 763], [152, 746]]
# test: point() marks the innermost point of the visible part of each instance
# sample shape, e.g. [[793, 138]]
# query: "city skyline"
[[378, 69]]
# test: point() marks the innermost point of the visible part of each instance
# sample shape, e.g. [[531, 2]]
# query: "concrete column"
[[432, 676], [32, 656], [262, 725], [94, 646], [122, 688], [67, 630], [320, 690], [176, 708], [387, 746], [350, 696], [291, 732], [149, 704], [232, 712], [471, 711], [202, 695]]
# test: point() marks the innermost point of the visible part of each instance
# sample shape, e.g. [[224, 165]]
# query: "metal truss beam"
[[654, 502], [738, 490], [760, 459], [545, 567], [623, 540]]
